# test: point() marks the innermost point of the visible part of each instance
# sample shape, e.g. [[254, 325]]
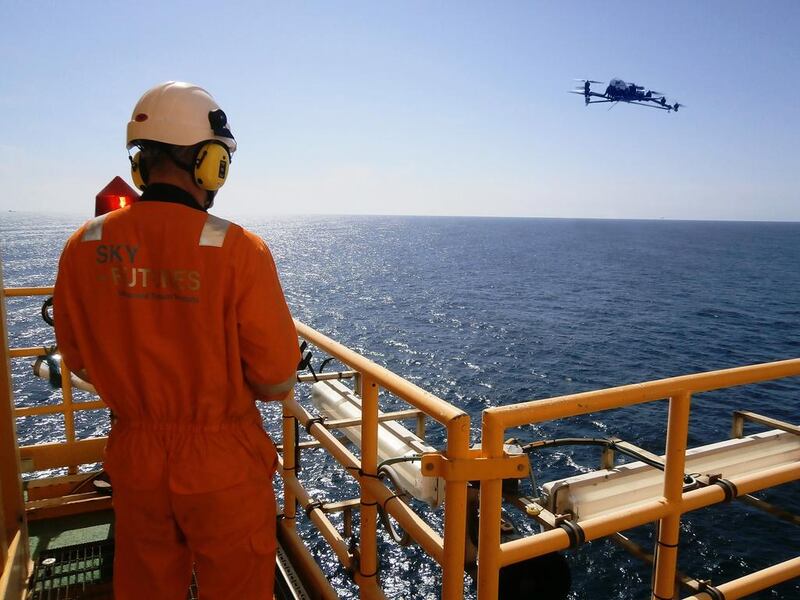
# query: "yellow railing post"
[[491, 499], [455, 514], [368, 550], [289, 464], [669, 526], [12, 507], [69, 411]]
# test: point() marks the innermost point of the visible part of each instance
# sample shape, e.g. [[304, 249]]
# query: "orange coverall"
[[174, 314]]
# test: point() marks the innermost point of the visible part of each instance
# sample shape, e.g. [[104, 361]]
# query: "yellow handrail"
[[449, 551], [43, 456], [492, 554]]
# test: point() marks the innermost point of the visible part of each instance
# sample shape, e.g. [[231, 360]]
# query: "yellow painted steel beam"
[[740, 416], [754, 582], [435, 407], [52, 409], [66, 393], [745, 484], [666, 552], [60, 454], [560, 407], [368, 544], [491, 498], [28, 291], [29, 352], [53, 508], [474, 469], [288, 464], [596, 528], [59, 485], [455, 514], [602, 526], [398, 415], [309, 378], [12, 508], [321, 522]]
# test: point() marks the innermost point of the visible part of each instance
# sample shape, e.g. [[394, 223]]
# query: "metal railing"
[[448, 550], [493, 555], [459, 464], [73, 452]]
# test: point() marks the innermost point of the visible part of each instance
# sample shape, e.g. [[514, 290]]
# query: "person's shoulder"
[[88, 231], [249, 241]]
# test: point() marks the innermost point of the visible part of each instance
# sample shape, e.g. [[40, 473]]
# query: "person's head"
[[183, 138]]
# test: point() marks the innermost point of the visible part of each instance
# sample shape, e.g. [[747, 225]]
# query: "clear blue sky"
[[455, 108]]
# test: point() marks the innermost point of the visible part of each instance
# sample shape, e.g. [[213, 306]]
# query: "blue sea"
[[489, 311]]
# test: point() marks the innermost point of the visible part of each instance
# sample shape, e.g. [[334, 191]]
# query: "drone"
[[621, 91]]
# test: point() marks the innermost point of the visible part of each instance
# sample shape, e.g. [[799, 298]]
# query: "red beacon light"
[[117, 194]]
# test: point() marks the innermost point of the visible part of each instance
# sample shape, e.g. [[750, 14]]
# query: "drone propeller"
[[588, 81], [655, 93], [676, 106]]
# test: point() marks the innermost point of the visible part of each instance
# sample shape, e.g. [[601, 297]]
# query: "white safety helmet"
[[180, 114]]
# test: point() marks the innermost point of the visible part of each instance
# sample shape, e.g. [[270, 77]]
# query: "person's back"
[[178, 319]]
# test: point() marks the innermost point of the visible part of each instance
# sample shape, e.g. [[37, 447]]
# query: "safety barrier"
[[457, 464], [492, 554], [447, 550]]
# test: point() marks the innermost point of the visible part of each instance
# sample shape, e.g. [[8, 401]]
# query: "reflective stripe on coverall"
[[172, 312]]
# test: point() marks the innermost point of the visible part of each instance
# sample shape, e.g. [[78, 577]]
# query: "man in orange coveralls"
[[178, 319]]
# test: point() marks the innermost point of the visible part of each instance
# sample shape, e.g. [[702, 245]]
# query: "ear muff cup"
[[211, 165], [138, 170]]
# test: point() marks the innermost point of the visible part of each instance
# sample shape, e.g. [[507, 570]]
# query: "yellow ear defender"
[[138, 170], [211, 166]]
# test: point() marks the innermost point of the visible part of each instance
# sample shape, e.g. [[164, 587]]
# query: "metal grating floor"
[[79, 572], [82, 571]]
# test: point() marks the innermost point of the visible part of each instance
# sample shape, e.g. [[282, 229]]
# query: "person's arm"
[[276, 391], [267, 336], [63, 300]]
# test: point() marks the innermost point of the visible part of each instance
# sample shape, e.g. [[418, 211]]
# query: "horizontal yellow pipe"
[[435, 407], [537, 411], [322, 523], [557, 539], [64, 454], [58, 408], [745, 484], [28, 291], [754, 582], [27, 352], [602, 526]]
